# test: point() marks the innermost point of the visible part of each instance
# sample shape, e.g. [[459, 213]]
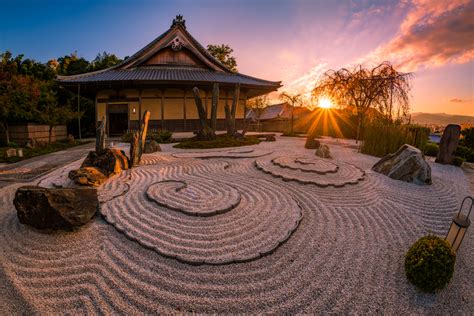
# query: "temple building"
[[160, 78]]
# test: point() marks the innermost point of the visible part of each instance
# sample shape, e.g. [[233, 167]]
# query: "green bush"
[[468, 139], [458, 161], [431, 149], [221, 141], [380, 139], [160, 136], [465, 152], [429, 263]]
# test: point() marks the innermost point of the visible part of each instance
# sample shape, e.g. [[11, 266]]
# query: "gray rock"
[[152, 147], [323, 151], [406, 164], [449, 143], [312, 143], [59, 208]]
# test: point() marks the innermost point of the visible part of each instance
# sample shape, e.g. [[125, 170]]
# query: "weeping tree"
[[360, 89]]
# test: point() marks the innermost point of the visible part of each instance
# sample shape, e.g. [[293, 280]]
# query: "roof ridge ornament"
[[179, 21]]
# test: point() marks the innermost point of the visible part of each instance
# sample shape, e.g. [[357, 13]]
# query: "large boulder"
[[90, 176], [323, 151], [151, 147], [60, 208], [406, 164], [110, 162], [448, 144]]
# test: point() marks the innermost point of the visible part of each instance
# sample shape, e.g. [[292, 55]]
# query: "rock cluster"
[[59, 208], [97, 168], [312, 143], [406, 164]]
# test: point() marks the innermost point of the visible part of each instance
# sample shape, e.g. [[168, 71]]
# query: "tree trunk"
[[230, 113], [292, 119], [49, 134], [7, 132], [100, 137], [359, 124], [215, 100], [205, 132]]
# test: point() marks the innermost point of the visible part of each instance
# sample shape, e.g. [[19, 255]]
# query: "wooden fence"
[[20, 134]]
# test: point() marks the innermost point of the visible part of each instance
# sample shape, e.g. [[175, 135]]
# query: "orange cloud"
[[434, 33], [457, 100]]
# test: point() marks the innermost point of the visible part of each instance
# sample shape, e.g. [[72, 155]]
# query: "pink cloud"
[[457, 100], [434, 33]]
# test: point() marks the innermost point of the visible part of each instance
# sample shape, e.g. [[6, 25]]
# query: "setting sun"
[[325, 103]]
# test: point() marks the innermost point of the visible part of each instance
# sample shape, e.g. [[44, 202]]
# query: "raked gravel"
[[345, 256]]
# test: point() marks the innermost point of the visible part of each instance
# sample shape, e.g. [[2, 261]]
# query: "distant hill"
[[440, 118]]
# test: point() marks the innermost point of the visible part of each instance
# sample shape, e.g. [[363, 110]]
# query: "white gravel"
[[346, 255]]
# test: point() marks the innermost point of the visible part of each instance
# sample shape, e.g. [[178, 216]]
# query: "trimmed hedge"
[[159, 136], [429, 263]]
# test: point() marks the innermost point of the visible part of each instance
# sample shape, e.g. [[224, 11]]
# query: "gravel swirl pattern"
[[230, 154], [322, 173], [199, 219], [345, 257]]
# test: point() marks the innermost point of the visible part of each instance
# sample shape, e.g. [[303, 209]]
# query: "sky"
[[293, 41]]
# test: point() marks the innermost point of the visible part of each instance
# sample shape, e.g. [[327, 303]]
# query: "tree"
[[361, 88], [72, 65], [49, 112], [258, 104], [230, 112], [103, 61], [223, 54], [292, 100], [206, 132], [18, 93]]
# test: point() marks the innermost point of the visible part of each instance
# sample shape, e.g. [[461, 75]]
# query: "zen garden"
[[184, 190]]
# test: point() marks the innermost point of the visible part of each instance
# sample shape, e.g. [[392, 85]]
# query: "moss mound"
[[429, 263], [220, 142]]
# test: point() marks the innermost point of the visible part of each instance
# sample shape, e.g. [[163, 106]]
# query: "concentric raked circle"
[[184, 212], [317, 171], [200, 198], [316, 165]]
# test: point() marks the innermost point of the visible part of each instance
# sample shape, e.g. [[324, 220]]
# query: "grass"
[[220, 142], [33, 152]]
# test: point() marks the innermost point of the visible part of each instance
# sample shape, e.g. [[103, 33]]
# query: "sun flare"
[[325, 103]]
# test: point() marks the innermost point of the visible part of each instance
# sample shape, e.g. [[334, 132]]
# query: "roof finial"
[[179, 21]]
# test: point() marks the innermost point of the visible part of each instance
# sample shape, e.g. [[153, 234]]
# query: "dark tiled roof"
[[167, 74]]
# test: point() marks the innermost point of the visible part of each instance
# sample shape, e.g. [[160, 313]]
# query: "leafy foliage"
[[458, 161], [103, 61], [468, 139], [223, 53], [429, 263], [220, 141]]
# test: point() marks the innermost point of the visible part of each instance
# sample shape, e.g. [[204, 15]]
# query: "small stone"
[[312, 143], [90, 176], [151, 147], [323, 151], [406, 164], [59, 208], [270, 138]]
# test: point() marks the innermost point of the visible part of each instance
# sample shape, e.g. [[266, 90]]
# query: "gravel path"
[[346, 254]]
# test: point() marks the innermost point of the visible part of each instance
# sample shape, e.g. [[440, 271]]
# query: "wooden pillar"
[[96, 113], [139, 104], [184, 109], [79, 109], [244, 124], [162, 108]]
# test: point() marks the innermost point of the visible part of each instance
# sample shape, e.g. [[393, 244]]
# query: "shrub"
[[159, 136], [458, 161], [465, 152], [220, 142], [380, 139], [431, 149], [429, 263], [468, 139]]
